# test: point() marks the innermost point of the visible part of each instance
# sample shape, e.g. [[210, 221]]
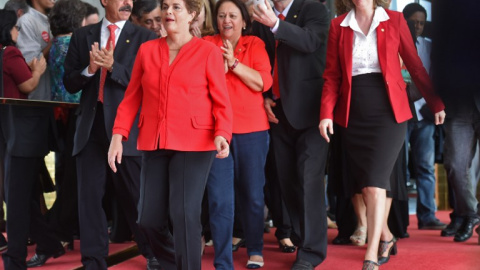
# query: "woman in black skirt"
[[364, 93]]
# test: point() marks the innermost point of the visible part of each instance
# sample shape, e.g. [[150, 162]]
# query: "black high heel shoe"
[[383, 247], [370, 265], [286, 248], [236, 246]]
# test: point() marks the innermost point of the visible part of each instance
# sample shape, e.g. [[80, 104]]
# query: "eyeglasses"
[[18, 28]]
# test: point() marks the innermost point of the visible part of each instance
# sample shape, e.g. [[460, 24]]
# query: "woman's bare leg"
[[375, 200]]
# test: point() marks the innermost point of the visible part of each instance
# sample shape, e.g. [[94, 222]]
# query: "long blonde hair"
[[208, 28]]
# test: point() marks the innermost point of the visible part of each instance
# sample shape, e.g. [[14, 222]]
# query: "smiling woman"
[[248, 73]]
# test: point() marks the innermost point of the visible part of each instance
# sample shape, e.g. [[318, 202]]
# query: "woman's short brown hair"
[[382, 3], [191, 5], [194, 5]]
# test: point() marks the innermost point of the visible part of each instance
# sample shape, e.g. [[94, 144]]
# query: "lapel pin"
[[383, 30], [295, 16], [128, 41]]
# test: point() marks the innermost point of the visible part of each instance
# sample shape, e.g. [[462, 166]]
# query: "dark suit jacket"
[[28, 131], [116, 83], [302, 43], [455, 55]]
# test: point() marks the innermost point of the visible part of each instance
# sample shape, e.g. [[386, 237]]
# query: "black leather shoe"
[[383, 248], [341, 240], [451, 228], [40, 259], [30, 242], [432, 225], [370, 265], [153, 264], [478, 232], [286, 248], [236, 246], [300, 264], [466, 230], [3, 243]]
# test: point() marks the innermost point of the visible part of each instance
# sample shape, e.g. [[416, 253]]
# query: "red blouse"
[[15, 72], [184, 105], [248, 110]]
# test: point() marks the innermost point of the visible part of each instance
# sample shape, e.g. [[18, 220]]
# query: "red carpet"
[[71, 260], [424, 250]]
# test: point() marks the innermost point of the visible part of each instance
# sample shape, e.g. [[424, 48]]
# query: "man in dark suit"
[[297, 48], [455, 69], [99, 62]]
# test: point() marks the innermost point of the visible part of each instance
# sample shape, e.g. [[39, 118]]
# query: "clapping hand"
[[104, 58]]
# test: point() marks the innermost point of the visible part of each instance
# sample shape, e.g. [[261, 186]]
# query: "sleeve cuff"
[[275, 27], [226, 135], [86, 74], [122, 132]]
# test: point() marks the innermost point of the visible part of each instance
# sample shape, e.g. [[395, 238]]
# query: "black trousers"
[[63, 216], [92, 173], [23, 212], [274, 199], [173, 184], [300, 157], [3, 149]]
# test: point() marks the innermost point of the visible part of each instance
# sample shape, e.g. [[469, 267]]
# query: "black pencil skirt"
[[373, 139]]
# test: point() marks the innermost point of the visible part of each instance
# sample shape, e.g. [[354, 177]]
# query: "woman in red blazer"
[[185, 115], [365, 94], [248, 73]]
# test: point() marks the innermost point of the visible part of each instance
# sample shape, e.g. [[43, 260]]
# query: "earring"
[[244, 28]]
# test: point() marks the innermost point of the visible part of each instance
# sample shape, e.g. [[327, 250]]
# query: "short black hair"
[[90, 9], [66, 16], [16, 5], [243, 11], [141, 7], [8, 20], [411, 8]]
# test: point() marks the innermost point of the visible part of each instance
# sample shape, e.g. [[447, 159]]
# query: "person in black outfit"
[[295, 36], [28, 133]]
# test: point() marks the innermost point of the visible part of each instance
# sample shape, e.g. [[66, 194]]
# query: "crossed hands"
[[100, 58]]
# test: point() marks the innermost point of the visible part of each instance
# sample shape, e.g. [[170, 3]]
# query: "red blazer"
[[393, 38], [248, 110], [184, 105]]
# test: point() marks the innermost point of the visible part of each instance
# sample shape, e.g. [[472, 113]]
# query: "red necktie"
[[103, 71], [275, 86]]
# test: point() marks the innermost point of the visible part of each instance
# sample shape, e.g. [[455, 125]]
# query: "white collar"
[[119, 24], [380, 15], [285, 11]]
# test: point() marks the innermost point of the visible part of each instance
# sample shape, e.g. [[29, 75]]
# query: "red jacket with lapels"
[[393, 39]]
